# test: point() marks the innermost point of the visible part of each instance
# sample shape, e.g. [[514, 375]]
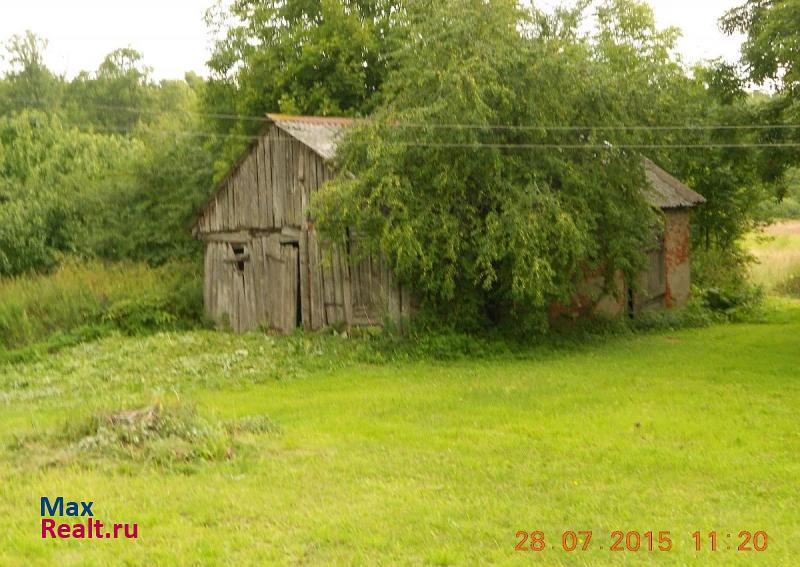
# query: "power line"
[[457, 126], [699, 127], [585, 146], [489, 145], [522, 127]]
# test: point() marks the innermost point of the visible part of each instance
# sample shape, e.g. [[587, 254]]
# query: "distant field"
[[778, 253], [424, 463]]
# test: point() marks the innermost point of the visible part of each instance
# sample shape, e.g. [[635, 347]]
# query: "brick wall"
[[676, 257]]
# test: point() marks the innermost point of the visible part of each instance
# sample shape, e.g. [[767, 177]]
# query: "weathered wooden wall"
[[269, 188], [262, 207]]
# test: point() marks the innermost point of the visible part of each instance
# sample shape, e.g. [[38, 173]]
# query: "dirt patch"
[[783, 227]]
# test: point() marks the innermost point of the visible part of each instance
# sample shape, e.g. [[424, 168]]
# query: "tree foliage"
[[119, 92], [499, 166], [771, 50], [105, 165], [146, 214], [483, 228], [317, 57], [29, 82], [46, 172]]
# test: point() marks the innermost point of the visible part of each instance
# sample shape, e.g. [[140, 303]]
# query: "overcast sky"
[[173, 36]]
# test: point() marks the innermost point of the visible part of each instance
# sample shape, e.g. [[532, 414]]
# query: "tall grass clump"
[[83, 300], [791, 286]]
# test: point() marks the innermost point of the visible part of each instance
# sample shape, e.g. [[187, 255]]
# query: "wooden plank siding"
[[261, 212]]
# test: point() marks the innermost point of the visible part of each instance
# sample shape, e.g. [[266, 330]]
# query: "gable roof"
[[321, 134], [666, 192]]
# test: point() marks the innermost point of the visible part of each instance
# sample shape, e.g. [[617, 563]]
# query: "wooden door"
[[290, 312]]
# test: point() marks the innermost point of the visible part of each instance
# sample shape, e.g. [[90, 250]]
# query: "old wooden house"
[[265, 266], [264, 263]]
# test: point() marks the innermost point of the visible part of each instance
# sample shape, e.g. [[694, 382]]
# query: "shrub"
[[141, 314], [84, 300], [722, 282], [734, 303], [695, 314], [723, 269]]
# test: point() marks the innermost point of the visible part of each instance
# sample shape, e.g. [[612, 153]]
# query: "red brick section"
[[676, 257]]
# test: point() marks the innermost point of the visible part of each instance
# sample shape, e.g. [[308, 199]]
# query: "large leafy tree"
[[469, 181], [145, 213], [771, 56], [321, 57], [771, 50], [114, 98], [46, 173], [29, 83], [678, 113], [105, 165]]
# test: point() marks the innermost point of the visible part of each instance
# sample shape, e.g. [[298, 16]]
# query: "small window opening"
[[238, 252]]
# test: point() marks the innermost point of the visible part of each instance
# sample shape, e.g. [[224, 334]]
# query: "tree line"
[[502, 156]]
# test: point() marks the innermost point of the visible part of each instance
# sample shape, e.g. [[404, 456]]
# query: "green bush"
[[80, 301], [734, 303], [695, 314], [722, 283], [724, 269], [788, 208]]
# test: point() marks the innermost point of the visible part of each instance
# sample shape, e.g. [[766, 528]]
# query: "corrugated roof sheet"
[[665, 191], [321, 134]]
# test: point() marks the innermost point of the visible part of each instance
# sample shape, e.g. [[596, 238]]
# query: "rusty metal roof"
[[321, 134], [666, 192]]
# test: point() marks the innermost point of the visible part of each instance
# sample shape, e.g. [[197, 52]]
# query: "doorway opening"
[[298, 293], [294, 258]]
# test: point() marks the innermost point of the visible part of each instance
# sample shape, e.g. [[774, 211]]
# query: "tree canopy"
[[500, 161], [771, 50], [503, 163], [469, 175], [46, 170], [315, 57]]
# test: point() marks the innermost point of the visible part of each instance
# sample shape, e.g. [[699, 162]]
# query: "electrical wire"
[[489, 145], [459, 126]]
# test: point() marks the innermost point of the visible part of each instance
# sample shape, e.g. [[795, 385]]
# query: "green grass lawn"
[[418, 463]]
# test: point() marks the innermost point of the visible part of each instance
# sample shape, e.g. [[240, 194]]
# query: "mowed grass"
[[423, 463], [777, 252]]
